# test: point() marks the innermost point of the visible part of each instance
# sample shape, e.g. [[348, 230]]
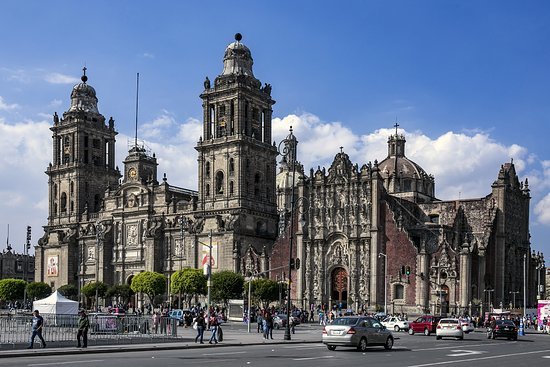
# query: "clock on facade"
[[132, 173]]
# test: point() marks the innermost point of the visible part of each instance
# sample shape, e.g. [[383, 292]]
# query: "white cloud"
[[56, 103], [6, 107], [542, 210], [159, 127], [148, 55], [58, 78]]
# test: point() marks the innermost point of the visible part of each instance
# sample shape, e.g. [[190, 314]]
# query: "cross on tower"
[[341, 149], [396, 126], [84, 70]]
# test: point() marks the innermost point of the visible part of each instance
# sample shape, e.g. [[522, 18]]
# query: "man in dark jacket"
[[83, 326]]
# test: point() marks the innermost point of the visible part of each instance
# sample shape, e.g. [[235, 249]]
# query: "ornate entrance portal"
[[339, 287]]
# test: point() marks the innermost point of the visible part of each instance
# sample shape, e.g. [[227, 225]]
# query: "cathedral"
[[365, 236]]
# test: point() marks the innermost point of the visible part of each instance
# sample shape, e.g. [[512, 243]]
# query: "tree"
[[12, 289], [149, 283], [89, 290], [38, 290], [69, 290], [122, 291], [265, 291], [227, 285], [189, 282]]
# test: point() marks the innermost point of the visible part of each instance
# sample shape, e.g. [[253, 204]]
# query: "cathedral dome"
[[237, 59], [83, 97], [401, 175]]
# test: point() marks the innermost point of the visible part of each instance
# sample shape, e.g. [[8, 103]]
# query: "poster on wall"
[[543, 311], [205, 256], [52, 266]]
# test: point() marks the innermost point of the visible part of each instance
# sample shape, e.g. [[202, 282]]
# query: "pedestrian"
[[292, 325], [260, 321], [213, 321], [268, 332], [200, 324], [156, 319], [83, 326], [37, 327]]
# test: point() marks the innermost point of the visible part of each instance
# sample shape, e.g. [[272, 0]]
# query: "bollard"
[[521, 331]]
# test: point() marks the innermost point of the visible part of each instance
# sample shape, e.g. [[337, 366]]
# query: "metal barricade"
[[16, 329]]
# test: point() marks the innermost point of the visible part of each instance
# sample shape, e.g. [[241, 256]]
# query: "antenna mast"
[[137, 109]]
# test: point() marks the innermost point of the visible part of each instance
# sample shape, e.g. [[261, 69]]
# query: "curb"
[[133, 348]]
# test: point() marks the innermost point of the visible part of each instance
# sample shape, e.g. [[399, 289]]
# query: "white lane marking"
[[479, 359], [311, 358], [222, 353], [465, 346], [303, 346], [71, 362], [546, 357], [464, 352]]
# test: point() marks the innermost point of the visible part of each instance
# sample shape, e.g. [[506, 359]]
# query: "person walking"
[[83, 326], [201, 325], [213, 321], [260, 321], [156, 320], [37, 326], [268, 332]]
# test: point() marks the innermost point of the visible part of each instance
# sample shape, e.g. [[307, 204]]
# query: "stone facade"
[[460, 256], [361, 232], [16, 266]]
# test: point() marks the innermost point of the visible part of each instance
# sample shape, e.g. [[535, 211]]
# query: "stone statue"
[[267, 89], [111, 123], [207, 83], [55, 118]]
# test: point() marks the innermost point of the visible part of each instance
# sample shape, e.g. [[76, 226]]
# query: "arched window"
[[231, 188], [219, 183], [399, 291], [207, 169], [231, 166], [55, 191], [63, 202], [72, 188], [207, 190], [72, 206], [97, 203], [257, 182]]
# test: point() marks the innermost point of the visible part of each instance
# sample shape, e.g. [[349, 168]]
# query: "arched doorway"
[[339, 287]]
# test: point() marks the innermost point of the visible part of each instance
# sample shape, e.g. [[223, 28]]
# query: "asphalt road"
[[411, 351]]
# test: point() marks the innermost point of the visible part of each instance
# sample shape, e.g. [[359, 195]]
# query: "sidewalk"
[[233, 335]]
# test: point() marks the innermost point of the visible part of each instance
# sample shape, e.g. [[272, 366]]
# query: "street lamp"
[[490, 303], [208, 272], [287, 148], [385, 282], [514, 295], [540, 266], [524, 285]]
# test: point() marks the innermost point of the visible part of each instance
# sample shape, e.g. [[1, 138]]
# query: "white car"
[[449, 328], [467, 326], [395, 323]]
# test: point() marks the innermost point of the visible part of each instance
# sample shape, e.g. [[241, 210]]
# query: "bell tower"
[[83, 162], [237, 161]]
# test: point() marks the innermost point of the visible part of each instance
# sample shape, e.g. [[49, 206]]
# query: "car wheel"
[[277, 326], [396, 328], [426, 332], [362, 347], [331, 347], [389, 343], [515, 338], [411, 332], [437, 338], [494, 336], [460, 338]]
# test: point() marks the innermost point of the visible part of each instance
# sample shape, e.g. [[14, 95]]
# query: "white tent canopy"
[[56, 304]]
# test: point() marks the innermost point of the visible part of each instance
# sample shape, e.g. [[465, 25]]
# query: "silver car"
[[358, 332]]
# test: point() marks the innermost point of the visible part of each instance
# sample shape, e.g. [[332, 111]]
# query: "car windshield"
[[345, 321], [448, 321], [505, 322]]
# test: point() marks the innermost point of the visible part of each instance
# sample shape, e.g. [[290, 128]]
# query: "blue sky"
[[468, 81]]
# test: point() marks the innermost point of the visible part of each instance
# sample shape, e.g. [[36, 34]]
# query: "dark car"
[[426, 324], [505, 329]]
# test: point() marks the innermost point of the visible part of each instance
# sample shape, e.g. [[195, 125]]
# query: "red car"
[[424, 324]]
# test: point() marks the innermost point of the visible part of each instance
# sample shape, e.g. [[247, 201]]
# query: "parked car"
[[505, 329], [395, 323], [426, 324], [467, 326], [356, 331], [449, 328], [279, 321]]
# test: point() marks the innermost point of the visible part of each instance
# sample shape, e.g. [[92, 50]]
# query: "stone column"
[[423, 285]]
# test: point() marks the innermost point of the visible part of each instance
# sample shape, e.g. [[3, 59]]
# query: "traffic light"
[[403, 270], [297, 264], [292, 263], [408, 270]]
